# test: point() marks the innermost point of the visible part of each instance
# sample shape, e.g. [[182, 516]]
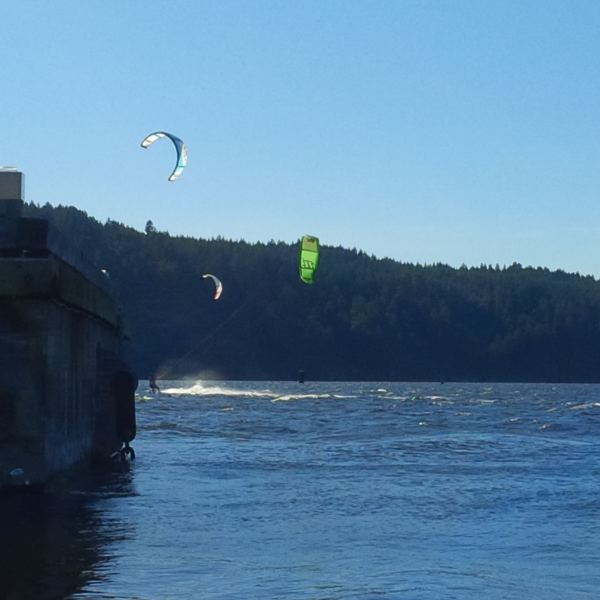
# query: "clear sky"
[[447, 131]]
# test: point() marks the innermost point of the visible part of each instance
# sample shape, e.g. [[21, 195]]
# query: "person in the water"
[[153, 385]]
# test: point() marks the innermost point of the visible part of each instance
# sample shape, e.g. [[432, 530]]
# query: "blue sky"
[[456, 132]]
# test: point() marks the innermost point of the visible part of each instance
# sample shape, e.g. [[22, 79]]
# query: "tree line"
[[364, 318]]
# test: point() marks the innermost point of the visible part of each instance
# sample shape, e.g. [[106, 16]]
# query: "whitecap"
[[201, 389]]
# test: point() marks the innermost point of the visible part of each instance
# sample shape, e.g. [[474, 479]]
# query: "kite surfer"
[[153, 385]]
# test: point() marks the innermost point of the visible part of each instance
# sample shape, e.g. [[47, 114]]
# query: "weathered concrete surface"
[[54, 279], [54, 325]]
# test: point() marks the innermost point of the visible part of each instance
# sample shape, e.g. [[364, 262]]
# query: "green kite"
[[309, 258]]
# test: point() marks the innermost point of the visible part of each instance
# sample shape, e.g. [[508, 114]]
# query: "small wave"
[[585, 406], [141, 398], [163, 426], [212, 389], [290, 397], [199, 389]]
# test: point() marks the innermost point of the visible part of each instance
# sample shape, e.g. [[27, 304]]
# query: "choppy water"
[[328, 491]]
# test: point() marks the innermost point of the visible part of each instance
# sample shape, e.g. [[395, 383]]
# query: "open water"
[[327, 491]]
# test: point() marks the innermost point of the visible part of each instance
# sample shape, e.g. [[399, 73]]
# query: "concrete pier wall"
[[60, 339], [53, 332]]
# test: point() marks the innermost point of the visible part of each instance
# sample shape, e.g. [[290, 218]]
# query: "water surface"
[[324, 491]]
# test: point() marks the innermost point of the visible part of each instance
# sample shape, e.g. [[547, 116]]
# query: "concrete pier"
[[60, 341]]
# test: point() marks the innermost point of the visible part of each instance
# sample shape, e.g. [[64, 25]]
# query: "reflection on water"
[[53, 544]]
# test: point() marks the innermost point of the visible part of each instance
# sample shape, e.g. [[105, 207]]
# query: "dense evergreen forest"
[[363, 318]]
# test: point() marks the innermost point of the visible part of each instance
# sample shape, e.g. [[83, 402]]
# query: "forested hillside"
[[363, 318]]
